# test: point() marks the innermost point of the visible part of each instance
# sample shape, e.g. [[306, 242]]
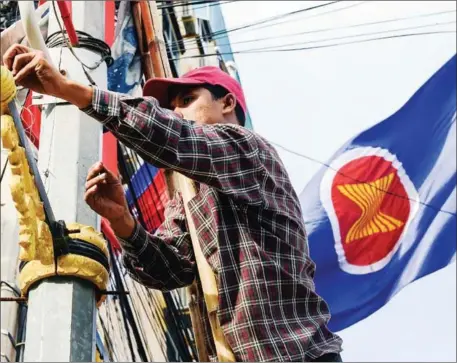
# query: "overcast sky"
[[313, 101]]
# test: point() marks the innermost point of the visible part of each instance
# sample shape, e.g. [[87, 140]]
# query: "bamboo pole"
[[188, 191]]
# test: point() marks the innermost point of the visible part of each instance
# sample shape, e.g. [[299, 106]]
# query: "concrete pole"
[[61, 321]]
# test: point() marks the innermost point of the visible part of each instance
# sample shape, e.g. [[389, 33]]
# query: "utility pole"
[[61, 321]]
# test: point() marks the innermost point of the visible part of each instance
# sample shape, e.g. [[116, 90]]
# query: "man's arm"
[[165, 260], [223, 156]]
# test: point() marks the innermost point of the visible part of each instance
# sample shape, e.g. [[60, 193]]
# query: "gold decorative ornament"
[[35, 238], [71, 264]]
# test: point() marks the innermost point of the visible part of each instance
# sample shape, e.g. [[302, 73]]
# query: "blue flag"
[[382, 214]]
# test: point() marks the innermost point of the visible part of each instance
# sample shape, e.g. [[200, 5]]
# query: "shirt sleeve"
[[165, 260], [223, 156]]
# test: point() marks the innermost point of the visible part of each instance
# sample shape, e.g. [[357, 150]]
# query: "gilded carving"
[[35, 239]]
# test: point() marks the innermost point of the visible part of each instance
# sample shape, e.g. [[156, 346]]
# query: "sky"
[[313, 101]]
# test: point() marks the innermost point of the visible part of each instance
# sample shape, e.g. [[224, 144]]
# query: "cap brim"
[[159, 88]]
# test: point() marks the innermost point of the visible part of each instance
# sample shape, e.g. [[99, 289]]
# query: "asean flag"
[[383, 213]]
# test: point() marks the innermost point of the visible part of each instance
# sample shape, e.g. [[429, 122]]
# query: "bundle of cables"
[[86, 41]]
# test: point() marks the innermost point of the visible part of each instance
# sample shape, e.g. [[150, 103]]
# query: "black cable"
[[86, 41], [4, 170], [206, 3], [21, 332], [318, 47], [306, 17], [224, 32], [70, 47], [255, 40], [278, 23], [350, 36], [13, 288], [177, 323], [123, 167], [182, 331], [357, 180], [218, 3], [134, 318], [276, 17], [181, 336], [374, 22], [127, 312]]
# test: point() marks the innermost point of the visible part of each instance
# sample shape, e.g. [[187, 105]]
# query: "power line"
[[365, 182], [221, 33], [205, 3], [352, 36], [266, 20], [317, 46], [391, 20], [312, 15]]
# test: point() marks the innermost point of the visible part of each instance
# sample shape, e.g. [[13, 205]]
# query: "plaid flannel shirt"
[[249, 223]]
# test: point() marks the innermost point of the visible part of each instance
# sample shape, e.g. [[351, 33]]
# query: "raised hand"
[[105, 195]]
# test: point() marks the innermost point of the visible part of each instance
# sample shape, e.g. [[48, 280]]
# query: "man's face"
[[197, 104]]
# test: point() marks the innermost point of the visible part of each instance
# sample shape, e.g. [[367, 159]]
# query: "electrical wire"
[[127, 313], [357, 180], [205, 3], [314, 31], [176, 334], [4, 170], [215, 35], [376, 22], [276, 17], [266, 22], [352, 36], [95, 44], [309, 16], [86, 41], [12, 288], [318, 46]]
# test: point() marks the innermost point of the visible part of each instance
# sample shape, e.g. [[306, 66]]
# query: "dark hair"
[[218, 92]]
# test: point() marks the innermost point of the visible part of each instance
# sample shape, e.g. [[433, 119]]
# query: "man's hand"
[[105, 195], [31, 70]]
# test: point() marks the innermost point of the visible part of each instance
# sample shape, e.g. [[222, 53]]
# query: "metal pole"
[[61, 323]]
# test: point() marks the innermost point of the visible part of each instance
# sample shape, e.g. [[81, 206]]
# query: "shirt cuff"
[[136, 243], [105, 104]]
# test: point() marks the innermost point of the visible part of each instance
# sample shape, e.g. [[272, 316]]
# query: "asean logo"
[[370, 202]]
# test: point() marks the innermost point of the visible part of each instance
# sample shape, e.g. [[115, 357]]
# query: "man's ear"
[[229, 104]]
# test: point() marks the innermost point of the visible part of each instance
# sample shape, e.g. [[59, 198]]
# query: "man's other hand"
[[105, 195], [31, 70]]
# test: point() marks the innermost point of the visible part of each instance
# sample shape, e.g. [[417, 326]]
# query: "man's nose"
[[178, 112]]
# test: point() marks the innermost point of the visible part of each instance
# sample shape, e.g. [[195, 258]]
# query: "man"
[[246, 212]]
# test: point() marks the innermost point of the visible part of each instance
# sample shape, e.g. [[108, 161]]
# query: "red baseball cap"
[[159, 87]]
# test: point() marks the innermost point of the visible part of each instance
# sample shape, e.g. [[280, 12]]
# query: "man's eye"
[[186, 100]]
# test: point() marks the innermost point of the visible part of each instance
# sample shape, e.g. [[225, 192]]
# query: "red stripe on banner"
[[152, 203], [31, 119]]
